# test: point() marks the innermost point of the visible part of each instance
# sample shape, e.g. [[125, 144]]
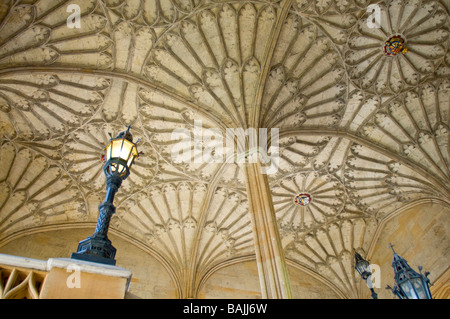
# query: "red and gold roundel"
[[302, 199], [395, 45]]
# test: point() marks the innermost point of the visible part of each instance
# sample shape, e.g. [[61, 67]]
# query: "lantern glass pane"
[[130, 161], [408, 290], [116, 148], [126, 150], [419, 287], [117, 168], [363, 268], [134, 154], [108, 151]]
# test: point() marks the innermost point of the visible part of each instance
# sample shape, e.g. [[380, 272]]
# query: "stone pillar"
[[273, 275]]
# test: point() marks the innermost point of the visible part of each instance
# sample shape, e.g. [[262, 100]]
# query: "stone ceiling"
[[364, 133]]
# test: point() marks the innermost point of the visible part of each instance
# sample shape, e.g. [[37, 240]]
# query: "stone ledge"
[[91, 267], [23, 262], [95, 280]]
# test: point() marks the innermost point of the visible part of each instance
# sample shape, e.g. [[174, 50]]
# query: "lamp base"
[[96, 248], [93, 258]]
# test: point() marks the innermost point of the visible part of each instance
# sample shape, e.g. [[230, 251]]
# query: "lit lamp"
[[408, 283], [120, 153], [362, 266]]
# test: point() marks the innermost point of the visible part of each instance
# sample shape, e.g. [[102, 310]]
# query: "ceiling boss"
[[395, 45], [302, 199]]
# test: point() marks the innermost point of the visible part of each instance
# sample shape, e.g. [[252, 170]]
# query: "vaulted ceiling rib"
[[363, 133]]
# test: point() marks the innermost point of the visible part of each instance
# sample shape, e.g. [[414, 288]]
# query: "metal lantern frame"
[[409, 284], [118, 161], [362, 266], [120, 153]]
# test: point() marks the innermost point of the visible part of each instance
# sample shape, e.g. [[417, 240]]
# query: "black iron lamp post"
[[120, 153], [362, 266], [408, 283]]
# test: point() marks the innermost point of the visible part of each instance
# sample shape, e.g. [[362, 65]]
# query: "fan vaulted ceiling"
[[363, 133]]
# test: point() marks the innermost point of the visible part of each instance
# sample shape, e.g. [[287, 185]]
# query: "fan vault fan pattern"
[[361, 132]]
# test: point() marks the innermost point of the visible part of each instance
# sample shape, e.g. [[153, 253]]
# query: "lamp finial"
[[391, 247]]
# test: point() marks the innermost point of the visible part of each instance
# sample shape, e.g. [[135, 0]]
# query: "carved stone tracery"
[[362, 132]]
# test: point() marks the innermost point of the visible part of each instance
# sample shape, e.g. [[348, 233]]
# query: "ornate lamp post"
[[120, 153], [363, 268], [408, 283]]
